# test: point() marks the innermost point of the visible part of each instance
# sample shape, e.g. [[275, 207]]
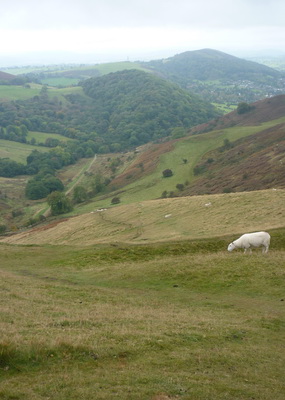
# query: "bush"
[[199, 169], [180, 186], [3, 229], [115, 200], [167, 173]]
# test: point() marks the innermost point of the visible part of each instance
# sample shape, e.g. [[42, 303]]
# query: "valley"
[[132, 294]]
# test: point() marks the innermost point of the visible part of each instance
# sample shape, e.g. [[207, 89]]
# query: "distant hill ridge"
[[208, 64], [4, 76]]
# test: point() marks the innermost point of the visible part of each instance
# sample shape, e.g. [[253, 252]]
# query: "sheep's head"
[[231, 247]]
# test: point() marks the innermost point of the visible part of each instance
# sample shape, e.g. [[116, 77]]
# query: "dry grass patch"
[[162, 220]]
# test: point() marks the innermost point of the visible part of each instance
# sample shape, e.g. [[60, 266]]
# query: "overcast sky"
[[56, 31]]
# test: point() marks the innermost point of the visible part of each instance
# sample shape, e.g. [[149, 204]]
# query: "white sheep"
[[249, 240]]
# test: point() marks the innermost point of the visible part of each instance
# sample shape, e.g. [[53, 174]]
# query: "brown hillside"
[[262, 111], [253, 163], [6, 77], [144, 164]]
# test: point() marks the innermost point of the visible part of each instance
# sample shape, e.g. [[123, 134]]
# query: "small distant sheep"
[[249, 240]]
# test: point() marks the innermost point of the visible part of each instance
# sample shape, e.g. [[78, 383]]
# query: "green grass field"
[[11, 92], [180, 320], [60, 81], [17, 151], [41, 137]]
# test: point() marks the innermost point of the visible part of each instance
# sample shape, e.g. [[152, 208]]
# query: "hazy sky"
[[51, 31]]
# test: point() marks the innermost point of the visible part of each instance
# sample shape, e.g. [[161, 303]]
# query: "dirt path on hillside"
[[77, 178]]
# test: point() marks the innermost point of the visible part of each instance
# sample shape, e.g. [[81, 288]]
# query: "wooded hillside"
[[118, 111]]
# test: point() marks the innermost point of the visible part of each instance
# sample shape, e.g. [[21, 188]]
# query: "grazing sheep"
[[249, 240]]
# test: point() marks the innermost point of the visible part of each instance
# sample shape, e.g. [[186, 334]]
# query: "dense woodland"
[[118, 111]]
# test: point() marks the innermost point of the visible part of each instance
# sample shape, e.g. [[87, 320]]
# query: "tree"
[[98, 184], [243, 108], [167, 173], [59, 203], [53, 184], [79, 194], [36, 190]]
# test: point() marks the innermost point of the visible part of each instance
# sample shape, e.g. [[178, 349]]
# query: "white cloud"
[[132, 27]]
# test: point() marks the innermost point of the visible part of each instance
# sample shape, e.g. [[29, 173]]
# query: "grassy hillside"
[[177, 320], [143, 179], [76, 74], [138, 176], [252, 163], [17, 151], [14, 92], [163, 220]]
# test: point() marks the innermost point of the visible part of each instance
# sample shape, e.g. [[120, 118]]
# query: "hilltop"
[[211, 65], [220, 77], [216, 76]]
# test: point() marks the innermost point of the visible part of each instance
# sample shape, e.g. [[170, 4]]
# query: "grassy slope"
[[41, 136], [160, 322], [14, 92], [191, 148], [167, 219], [21, 93], [17, 151]]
